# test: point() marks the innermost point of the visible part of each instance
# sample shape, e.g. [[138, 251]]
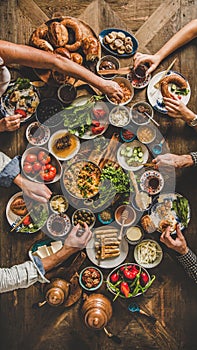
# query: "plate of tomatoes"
[[39, 165], [129, 280]]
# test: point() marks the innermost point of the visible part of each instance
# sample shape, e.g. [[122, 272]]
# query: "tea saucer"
[[145, 185], [136, 84]]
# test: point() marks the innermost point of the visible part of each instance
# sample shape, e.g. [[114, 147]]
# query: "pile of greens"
[[118, 178], [39, 216], [181, 207], [20, 84], [78, 119]]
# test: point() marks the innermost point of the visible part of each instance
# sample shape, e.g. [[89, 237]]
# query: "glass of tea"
[[140, 73]]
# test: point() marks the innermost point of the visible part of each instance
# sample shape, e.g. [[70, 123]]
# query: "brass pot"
[[56, 292], [97, 311]]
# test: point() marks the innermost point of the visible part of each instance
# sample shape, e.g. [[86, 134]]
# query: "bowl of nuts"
[[90, 278], [127, 89]]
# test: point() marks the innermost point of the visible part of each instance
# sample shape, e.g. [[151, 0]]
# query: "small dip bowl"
[[47, 112], [106, 217], [119, 116], [131, 215], [127, 134], [90, 278], [146, 134], [107, 62], [58, 226], [128, 91], [83, 215], [138, 117], [67, 93], [58, 204], [134, 234]]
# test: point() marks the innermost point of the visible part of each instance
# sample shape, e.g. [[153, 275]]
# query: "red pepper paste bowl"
[[129, 280]]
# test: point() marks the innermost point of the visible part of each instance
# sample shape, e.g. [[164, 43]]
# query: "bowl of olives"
[[84, 215]]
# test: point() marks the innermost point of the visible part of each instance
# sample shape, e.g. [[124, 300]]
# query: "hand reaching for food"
[[178, 244], [37, 191], [10, 123], [153, 60], [174, 160], [112, 89], [76, 241]]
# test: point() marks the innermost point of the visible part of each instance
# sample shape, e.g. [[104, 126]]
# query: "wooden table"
[[172, 299]]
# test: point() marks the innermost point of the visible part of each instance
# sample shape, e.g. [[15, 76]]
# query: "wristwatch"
[[193, 122]]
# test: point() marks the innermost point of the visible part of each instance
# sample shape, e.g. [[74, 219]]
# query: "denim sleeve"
[[9, 169]]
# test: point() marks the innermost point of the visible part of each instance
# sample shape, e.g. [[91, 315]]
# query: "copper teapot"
[[56, 292], [97, 311]]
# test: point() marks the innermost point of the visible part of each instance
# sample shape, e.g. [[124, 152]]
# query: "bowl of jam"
[[107, 63]]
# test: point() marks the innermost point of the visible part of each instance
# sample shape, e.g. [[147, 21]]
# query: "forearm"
[[59, 257], [182, 37]]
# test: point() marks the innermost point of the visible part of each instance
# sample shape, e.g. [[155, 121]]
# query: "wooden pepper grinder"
[[56, 292], [97, 311]]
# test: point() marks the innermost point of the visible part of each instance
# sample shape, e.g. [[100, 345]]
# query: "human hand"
[[113, 89], [177, 109], [174, 160], [75, 240], [153, 60], [10, 123], [178, 244], [37, 191]]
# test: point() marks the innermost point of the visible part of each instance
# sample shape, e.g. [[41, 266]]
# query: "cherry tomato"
[[31, 158], [124, 287], [44, 157], [21, 112], [144, 278], [97, 129], [27, 168], [48, 172], [27, 220], [37, 166]]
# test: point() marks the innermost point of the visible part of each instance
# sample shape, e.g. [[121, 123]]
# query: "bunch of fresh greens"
[[78, 119], [39, 215], [181, 207], [118, 178]]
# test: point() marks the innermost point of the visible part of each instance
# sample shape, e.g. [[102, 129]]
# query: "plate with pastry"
[[104, 249], [169, 210], [25, 214], [172, 84], [118, 42], [21, 97], [69, 37]]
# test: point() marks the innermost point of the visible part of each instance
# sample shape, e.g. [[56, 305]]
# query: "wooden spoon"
[[138, 197]]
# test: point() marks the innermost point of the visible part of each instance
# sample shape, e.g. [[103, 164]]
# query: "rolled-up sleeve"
[[9, 169], [22, 275], [189, 263]]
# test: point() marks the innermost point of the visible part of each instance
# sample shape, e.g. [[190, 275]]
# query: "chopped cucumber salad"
[[132, 155]]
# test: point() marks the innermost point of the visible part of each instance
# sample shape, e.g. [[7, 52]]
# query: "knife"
[[157, 85]]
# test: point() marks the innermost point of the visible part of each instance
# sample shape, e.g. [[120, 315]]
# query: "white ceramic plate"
[[25, 99], [104, 122], [107, 263], [57, 154], [158, 256], [161, 210], [144, 181], [155, 97], [13, 218], [40, 136], [121, 158]]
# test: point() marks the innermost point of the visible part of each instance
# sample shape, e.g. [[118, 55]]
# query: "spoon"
[[157, 148], [133, 307], [141, 109], [112, 336], [125, 215]]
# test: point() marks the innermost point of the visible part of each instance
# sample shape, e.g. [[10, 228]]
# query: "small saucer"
[[37, 134]]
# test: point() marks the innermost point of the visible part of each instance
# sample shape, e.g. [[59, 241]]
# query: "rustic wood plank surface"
[[172, 298]]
